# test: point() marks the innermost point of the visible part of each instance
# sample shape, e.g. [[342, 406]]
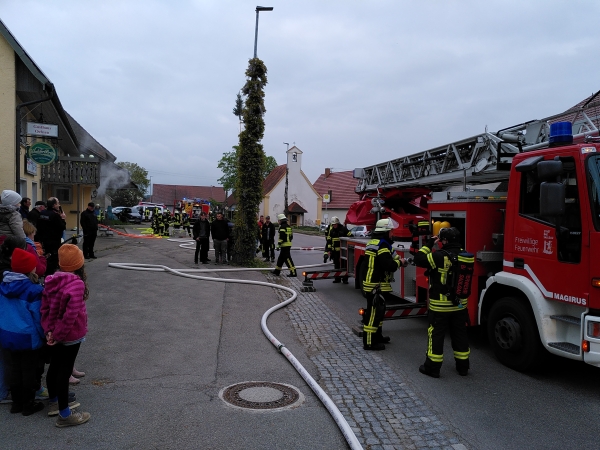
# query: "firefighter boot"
[[429, 372], [276, 271]]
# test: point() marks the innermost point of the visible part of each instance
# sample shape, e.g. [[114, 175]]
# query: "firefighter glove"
[[325, 257]]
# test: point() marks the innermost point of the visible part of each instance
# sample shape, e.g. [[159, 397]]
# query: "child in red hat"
[[21, 333]]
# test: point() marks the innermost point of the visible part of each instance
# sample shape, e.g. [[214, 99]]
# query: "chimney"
[[327, 172]]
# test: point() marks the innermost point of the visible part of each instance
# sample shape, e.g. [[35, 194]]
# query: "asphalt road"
[[158, 351], [557, 407]]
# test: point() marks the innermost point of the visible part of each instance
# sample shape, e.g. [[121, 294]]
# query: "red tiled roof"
[[341, 185], [296, 208], [273, 178], [167, 193]]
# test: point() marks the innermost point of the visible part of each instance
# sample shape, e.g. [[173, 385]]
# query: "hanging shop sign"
[[42, 129], [30, 167], [42, 153]]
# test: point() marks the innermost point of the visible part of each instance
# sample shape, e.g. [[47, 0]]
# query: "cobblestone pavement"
[[384, 412]]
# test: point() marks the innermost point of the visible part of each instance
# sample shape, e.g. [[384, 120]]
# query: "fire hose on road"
[[188, 273]]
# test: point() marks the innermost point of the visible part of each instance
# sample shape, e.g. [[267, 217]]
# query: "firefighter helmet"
[[386, 224], [450, 234], [334, 220], [281, 217]]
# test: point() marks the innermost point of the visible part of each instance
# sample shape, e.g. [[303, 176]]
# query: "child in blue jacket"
[[21, 333]]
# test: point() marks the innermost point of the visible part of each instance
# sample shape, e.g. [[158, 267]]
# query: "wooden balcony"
[[69, 170]]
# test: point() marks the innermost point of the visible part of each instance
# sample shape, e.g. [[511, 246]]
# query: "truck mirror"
[[549, 170], [552, 198]]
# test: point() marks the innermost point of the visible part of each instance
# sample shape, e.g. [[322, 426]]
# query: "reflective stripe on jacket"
[[378, 266], [438, 265], [285, 235]]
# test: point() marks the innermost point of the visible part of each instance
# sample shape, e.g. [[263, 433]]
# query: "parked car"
[[116, 210], [131, 215], [360, 231]]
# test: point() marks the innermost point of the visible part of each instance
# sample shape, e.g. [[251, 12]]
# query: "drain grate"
[[261, 395]]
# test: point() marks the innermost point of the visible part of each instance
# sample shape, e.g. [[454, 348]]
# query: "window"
[[63, 194], [568, 225]]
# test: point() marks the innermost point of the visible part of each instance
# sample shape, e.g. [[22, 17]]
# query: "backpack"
[[460, 276]]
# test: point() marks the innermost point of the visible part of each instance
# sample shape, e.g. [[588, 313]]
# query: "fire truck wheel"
[[513, 334]]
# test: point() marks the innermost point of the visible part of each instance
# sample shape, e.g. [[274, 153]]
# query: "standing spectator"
[[51, 226], [219, 230], [34, 214], [201, 232], [32, 248], [24, 209], [268, 240], [7, 247], [21, 334], [11, 222], [89, 223], [64, 320]]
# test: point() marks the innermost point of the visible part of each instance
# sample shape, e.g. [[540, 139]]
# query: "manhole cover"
[[261, 395]]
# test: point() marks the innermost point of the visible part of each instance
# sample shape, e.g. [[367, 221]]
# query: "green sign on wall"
[[42, 153]]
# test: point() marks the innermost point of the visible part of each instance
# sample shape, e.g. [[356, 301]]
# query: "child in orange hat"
[[64, 319], [21, 333]]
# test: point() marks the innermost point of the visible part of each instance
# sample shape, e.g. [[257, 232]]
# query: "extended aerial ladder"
[[484, 158]]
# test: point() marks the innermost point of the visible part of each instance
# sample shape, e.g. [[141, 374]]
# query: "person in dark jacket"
[[89, 224], [24, 209], [443, 313], [34, 214], [334, 232], [268, 240], [21, 333], [51, 226], [376, 271], [201, 231], [219, 230]]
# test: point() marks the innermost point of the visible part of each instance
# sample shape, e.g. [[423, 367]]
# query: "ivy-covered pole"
[[251, 162]]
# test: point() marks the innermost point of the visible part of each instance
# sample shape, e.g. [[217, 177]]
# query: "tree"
[[228, 165], [238, 109], [129, 197], [250, 162]]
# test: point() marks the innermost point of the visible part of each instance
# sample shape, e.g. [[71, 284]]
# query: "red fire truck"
[[534, 233]]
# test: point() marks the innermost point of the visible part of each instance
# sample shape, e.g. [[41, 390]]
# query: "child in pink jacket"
[[64, 320]]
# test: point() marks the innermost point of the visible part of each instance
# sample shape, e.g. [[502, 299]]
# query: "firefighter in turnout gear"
[[376, 271], [177, 219], [335, 230], [156, 222], [146, 214], [444, 314], [185, 223], [166, 222], [284, 244]]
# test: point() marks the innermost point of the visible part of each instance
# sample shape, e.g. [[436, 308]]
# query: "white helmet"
[[334, 219], [281, 217], [386, 224]]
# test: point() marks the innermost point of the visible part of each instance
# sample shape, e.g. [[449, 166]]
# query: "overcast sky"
[[351, 83]]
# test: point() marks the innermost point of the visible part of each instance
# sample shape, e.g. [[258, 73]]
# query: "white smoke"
[[112, 177]]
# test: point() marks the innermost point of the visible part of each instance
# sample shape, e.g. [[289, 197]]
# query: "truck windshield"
[[593, 164]]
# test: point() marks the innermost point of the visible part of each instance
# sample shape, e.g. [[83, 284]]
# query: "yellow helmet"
[[386, 224], [281, 217]]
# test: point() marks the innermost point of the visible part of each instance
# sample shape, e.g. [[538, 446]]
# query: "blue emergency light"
[[561, 133]]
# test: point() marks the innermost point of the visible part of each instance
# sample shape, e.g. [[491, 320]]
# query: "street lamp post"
[[259, 9], [285, 195]]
